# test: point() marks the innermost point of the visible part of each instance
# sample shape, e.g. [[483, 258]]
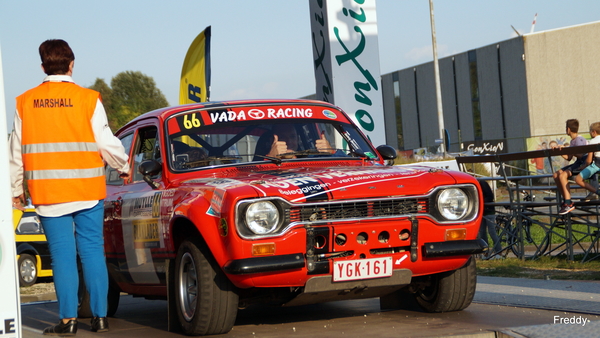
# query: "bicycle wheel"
[[536, 238]]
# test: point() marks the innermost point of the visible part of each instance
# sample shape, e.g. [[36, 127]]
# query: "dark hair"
[[573, 125], [56, 56]]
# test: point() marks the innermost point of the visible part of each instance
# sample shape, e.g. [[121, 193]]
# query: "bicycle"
[[536, 237]]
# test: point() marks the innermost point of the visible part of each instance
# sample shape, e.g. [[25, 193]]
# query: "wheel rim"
[[188, 286], [429, 293], [28, 270]]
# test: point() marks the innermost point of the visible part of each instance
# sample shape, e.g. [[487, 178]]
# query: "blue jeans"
[[488, 225], [78, 233]]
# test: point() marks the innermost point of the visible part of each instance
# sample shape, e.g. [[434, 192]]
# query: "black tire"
[[449, 291], [205, 299], [28, 272]]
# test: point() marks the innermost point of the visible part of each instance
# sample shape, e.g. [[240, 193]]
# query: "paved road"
[[504, 307]]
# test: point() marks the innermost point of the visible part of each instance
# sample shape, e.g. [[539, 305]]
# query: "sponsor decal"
[[401, 259], [223, 227], [145, 233], [329, 114], [212, 212], [216, 201], [259, 114]]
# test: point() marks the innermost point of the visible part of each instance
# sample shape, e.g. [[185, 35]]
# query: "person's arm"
[[109, 146], [15, 159]]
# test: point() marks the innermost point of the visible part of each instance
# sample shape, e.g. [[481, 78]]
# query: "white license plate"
[[362, 269]]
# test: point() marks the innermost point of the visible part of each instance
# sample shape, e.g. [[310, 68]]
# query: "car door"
[[139, 214]]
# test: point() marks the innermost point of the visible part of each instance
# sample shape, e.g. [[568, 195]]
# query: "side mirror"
[[387, 152], [150, 168]]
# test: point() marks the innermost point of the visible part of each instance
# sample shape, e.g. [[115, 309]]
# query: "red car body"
[[220, 226]]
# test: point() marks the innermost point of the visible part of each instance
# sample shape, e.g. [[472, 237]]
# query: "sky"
[[259, 48]]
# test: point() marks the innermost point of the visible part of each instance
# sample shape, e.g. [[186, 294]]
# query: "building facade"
[[499, 96]]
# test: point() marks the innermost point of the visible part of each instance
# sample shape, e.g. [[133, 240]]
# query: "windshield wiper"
[[270, 158]]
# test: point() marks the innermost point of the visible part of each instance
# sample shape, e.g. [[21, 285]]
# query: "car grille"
[[318, 212]]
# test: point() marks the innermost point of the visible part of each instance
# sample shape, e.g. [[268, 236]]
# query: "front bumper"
[[297, 261], [454, 248]]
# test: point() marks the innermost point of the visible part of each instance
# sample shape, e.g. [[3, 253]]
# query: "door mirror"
[[387, 152], [148, 169]]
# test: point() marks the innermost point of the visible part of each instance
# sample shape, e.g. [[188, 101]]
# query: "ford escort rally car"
[[218, 214]]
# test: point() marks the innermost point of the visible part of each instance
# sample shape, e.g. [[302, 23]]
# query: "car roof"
[[164, 113]]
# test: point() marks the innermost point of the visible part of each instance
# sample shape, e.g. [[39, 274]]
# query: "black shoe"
[[99, 324], [61, 329]]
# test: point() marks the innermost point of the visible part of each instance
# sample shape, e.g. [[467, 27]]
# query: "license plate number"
[[362, 269]]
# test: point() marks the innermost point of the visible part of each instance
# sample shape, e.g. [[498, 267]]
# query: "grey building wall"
[[449, 106], [489, 92], [409, 109], [517, 119], [389, 110], [463, 98], [429, 127]]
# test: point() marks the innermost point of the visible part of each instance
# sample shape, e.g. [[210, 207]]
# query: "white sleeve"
[[15, 158], [110, 147]]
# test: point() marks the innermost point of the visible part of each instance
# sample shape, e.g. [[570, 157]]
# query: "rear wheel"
[[449, 291], [205, 299], [27, 270]]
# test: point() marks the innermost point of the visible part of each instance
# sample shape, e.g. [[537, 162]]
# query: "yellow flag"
[[195, 74]]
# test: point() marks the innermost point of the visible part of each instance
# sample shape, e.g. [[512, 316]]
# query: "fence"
[[527, 223]]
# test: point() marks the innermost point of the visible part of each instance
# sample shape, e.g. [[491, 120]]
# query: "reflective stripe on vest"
[[58, 174], [59, 147]]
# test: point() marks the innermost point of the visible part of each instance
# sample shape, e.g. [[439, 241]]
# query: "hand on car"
[[18, 202]]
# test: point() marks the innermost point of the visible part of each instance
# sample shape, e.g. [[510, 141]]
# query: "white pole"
[[10, 303], [438, 89]]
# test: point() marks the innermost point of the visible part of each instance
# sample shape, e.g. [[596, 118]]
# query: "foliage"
[[556, 267], [130, 94]]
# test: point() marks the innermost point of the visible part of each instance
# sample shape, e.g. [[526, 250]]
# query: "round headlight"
[[453, 204], [262, 217]]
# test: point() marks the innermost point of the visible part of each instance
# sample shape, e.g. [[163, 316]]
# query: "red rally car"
[[214, 219]]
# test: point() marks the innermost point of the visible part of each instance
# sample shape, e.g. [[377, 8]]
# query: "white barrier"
[[10, 304]]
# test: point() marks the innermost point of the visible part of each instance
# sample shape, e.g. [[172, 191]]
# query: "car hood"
[[314, 184]]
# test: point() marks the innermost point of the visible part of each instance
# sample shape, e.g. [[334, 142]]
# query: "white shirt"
[[109, 147], [595, 140]]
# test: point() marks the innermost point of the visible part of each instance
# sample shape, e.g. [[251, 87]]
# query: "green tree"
[[106, 92], [130, 94]]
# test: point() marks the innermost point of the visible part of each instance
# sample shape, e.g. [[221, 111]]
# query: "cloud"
[[425, 53]]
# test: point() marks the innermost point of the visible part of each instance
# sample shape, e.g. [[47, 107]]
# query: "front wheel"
[[205, 299], [449, 291]]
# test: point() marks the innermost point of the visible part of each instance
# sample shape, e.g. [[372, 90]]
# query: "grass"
[[557, 267]]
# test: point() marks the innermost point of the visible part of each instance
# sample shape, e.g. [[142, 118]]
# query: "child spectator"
[[592, 161], [561, 177]]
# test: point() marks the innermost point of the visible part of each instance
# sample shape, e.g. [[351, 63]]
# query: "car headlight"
[[262, 217], [453, 204]]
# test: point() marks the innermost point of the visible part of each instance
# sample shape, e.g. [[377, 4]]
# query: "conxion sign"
[[486, 147], [346, 61]]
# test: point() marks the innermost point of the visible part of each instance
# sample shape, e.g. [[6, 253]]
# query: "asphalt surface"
[[503, 307]]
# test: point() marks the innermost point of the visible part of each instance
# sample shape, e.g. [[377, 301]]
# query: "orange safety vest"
[[60, 155]]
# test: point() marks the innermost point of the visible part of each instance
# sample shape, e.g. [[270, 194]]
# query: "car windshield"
[[199, 139]]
